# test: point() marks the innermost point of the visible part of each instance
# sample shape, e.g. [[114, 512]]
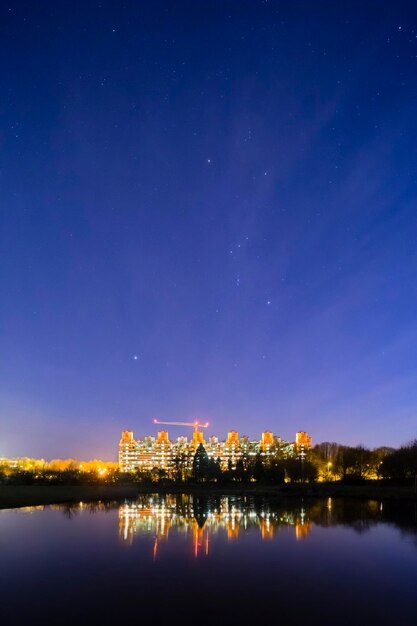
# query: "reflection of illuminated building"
[[200, 540], [198, 519], [302, 526], [302, 530], [267, 529]]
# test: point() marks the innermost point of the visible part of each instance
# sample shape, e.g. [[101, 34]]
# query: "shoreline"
[[16, 496]]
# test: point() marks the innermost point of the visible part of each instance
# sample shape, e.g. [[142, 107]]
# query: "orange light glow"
[[155, 548]]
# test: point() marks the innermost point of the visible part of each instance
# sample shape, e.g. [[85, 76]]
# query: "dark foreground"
[[210, 559], [31, 495]]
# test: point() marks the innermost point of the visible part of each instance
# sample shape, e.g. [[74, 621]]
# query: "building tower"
[[127, 451]]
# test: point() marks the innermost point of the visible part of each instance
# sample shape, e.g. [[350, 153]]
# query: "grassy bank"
[[32, 495]]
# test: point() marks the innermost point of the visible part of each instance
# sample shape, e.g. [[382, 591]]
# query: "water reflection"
[[199, 518], [354, 561]]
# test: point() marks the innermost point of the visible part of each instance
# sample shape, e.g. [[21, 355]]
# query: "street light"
[[329, 464]]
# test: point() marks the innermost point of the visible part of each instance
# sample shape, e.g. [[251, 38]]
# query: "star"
[[208, 160], [268, 301], [135, 358]]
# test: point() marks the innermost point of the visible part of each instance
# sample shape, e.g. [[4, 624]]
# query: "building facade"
[[160, 453]]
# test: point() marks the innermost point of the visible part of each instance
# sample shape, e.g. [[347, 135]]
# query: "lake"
[[210, 560]]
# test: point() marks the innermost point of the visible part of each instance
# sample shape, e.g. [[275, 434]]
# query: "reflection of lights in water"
[[188, 516], [155, 548], [32, 509], [302, 530]]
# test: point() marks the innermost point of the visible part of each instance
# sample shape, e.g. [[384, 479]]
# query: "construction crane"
[[196, 425]]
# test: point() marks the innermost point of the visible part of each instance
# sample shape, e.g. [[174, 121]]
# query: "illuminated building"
[[163, 448], [197, 438], [127, 450], [161, 453], [303, 439], [267, 441], [230, 450], [303, 442]]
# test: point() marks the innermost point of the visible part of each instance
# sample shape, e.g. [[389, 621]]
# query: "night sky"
[[208, 209]]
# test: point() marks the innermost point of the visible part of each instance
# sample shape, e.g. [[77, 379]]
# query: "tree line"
[[353, 464], [325, 462]]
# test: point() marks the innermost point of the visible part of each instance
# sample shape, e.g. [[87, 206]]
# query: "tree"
[[240, 470], [180, 467], [258, 471], [214, 470], [294, 470], [200, 464], [275, 471], [401, 465], [354, 463]]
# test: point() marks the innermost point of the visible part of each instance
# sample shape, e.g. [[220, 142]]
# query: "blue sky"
[[225, 191]]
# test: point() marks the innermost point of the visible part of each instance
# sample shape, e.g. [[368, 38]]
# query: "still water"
[[210, 560]]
